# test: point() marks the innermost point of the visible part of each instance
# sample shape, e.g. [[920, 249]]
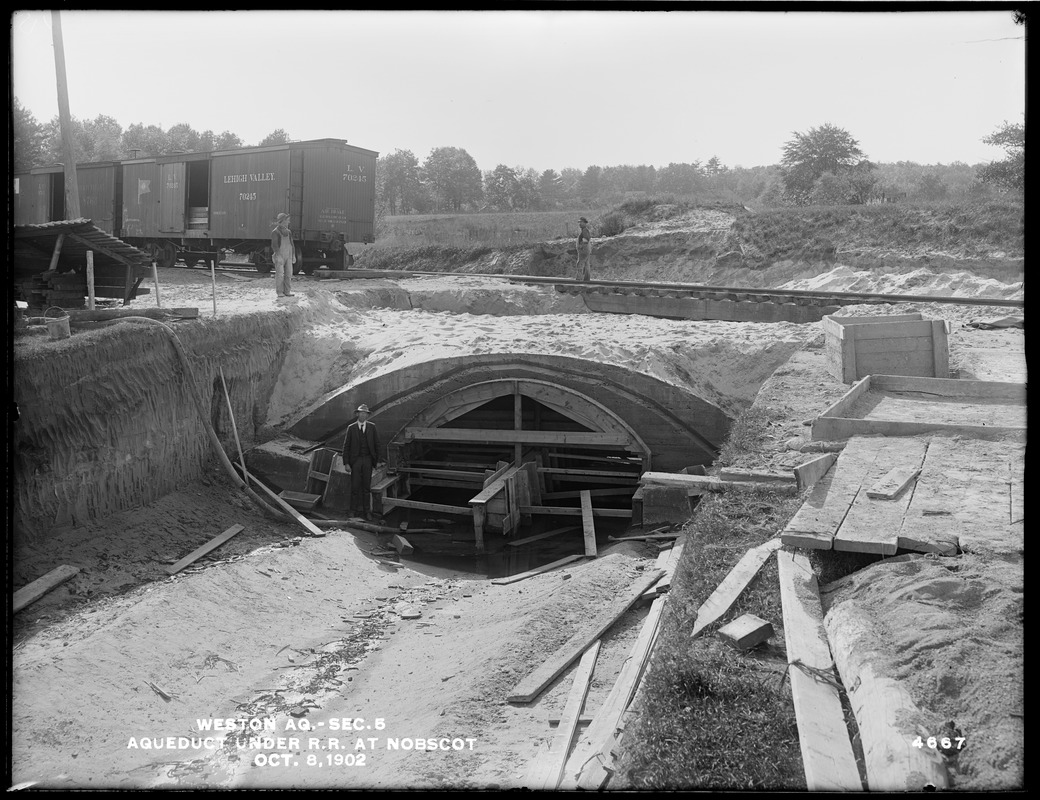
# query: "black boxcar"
[[214, 205]]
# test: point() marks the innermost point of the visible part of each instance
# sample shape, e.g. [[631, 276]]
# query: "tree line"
[[821, 166]]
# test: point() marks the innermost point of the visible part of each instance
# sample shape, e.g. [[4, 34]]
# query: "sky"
[[546, 88]]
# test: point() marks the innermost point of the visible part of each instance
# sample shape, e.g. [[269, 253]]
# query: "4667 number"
[[943, 743]]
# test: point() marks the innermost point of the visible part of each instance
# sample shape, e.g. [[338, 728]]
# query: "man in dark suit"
[[361, 453]]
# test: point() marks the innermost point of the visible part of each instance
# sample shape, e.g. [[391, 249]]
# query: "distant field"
[[494, 229]]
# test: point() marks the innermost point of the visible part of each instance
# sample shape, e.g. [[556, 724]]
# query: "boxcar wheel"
[[168, 256], [297, 268]]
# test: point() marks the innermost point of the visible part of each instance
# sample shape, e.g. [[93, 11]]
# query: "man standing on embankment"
[[283, 252]]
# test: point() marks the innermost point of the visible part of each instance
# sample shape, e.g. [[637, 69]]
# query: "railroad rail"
[[745, 294]]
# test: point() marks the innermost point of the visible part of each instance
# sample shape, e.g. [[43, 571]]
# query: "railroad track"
[[750, 295]]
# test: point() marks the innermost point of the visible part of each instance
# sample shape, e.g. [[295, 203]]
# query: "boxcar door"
[[296, 191], [171, 197]]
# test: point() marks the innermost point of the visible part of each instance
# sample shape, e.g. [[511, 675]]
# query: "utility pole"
[[71, 180]]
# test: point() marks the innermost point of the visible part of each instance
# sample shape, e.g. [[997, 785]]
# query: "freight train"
[[221, 205]]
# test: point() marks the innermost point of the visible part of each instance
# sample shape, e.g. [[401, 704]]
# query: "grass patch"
[[747, 434], [974, 231], [711, 717]]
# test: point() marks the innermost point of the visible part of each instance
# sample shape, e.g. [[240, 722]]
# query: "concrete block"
[[745, 632], [665, 504]]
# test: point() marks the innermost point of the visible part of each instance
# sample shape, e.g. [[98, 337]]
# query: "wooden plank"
[[495, 436], [963, 497], [668, 560], [495, 485], [497, 473], [711, 483], [826, 428], [876, 347], [588, 525], [198, 553], [811, 471], [886, 714], [755, 476], [941, 348], [872, 526], [746, 631], [537, 570], [817, 520], [948, 387], [538, 536], [918, 362], [827, 755], [891, 485], [576, 494], [39, 587], [461, 475], [565, 511], [309, 526], [535, 683], [882, 329], [547, 770], [845, 403], [401, 545], [588, 767], [633, 476], [396, 502], [725, 595]]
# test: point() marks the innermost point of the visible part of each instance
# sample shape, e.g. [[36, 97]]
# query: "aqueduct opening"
[[506, 438]]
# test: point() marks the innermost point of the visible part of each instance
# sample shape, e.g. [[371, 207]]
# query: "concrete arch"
[[679, 428]]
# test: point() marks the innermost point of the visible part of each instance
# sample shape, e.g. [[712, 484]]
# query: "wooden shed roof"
[[34, 242]]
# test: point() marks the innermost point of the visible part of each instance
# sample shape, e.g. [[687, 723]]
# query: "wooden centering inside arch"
[[514, 491]]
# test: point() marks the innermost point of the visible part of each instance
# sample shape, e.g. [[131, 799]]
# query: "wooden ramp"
[[926, 494]]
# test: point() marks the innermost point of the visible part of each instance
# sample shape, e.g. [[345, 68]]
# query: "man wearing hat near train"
[[360, 453], [283, 252], [584, 250]]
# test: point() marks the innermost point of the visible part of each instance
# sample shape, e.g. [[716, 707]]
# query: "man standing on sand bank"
[[584, 250], [360, 453], [284, 254]]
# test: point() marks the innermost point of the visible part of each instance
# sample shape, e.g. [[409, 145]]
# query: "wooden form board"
[[963, 496], [838, 514], [39, 587], [892, 405], [872, 525], [535, 683], [396, 502], [827, 756], [537, 570], [496, 436], [900, 344], [588, 525], [811, 471], [708, 483], [589, 766], [966, 496], [198, 553], [886, 715], [892, 484], [538, 536], [547, 770], [567, 511], [726, 593]]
